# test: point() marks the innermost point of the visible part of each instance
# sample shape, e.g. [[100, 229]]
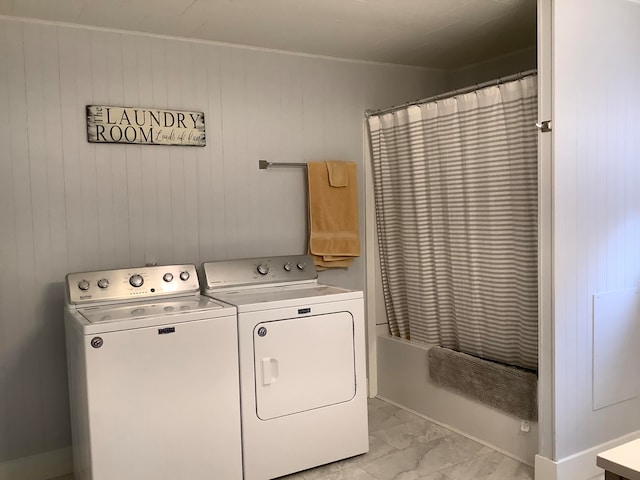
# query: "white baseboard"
[[580, 466], [545, 469], [42, 466]]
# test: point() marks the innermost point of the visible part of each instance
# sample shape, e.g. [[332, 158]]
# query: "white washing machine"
[[302, 364], [153, 377]]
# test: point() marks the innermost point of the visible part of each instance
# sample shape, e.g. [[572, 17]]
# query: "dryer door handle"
[[269, 370]]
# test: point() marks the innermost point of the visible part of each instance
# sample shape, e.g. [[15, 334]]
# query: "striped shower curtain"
[[455, 184]]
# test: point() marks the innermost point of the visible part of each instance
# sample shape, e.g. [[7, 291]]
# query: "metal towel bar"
[[264, 164]]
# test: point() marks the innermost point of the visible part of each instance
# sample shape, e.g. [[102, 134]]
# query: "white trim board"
[[41, 466], [579, 466], [370, 265], [214, 42]]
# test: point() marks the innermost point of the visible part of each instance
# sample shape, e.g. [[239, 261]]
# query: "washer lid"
[[283, 296], [134, 310]]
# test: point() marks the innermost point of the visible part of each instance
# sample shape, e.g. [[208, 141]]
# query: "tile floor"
[[404, 446]]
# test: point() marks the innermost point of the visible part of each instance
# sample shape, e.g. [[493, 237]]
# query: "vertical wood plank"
[[233, 91], [176, 159], [133, 154], [8, 288], [313, 117], [162, 159], [204, 156], [294, 205], [38, 345], [147, 162], [72, 176], [189, 101], [24, 404], [215, 144], [53, 376], [632, 151], [102, 154], [120, 227], [86, 153], [262, 119]]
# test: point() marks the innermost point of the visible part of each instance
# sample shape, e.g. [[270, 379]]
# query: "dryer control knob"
[[136, 280], [302, 265], [167, 277], [103, 283], [184, 276], [83, 285], [263, 269], [287, 266]]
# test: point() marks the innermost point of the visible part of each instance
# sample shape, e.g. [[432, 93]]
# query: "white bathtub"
[[403, 379]]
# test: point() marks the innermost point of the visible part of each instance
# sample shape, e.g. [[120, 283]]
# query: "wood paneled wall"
[[67, 205], [596, 209]]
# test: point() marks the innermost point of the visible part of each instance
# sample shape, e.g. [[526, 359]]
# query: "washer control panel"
[[130, 283], [259, 271]]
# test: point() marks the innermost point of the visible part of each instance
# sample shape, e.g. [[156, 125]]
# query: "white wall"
[[67, 205], [509, 64], [596, 211]]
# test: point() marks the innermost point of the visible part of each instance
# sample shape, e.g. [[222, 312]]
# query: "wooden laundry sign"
[[144, 126]]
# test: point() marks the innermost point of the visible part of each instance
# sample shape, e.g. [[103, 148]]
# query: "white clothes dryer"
[[302, 363], [153, 376]]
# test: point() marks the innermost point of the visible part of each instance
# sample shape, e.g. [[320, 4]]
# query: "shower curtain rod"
[[442, 96]]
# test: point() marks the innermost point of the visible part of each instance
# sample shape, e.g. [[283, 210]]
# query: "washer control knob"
[[287, 266], [136, 280], [167, 277], [263, 269], [103, 283], [301, 265], [83, 285], [184, 276]]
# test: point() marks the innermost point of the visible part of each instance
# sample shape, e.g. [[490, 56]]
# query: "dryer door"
[[303, 363]]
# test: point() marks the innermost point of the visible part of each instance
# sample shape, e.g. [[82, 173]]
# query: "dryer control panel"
[[135, 283], [260, 271]]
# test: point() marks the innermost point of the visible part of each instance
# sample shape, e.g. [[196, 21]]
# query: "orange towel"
[[322, 264], [338, 173], [333, 213]]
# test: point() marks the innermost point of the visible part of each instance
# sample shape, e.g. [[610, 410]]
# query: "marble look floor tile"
[[410, 433], [351, 473], [377, 449], [293, 476], [375, 403], [422, 459], [332, 471], [493, 466], [388, 416], [435, 476], [404, 446]]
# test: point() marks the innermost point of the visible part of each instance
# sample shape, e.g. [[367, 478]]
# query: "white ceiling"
[[430, 33]]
